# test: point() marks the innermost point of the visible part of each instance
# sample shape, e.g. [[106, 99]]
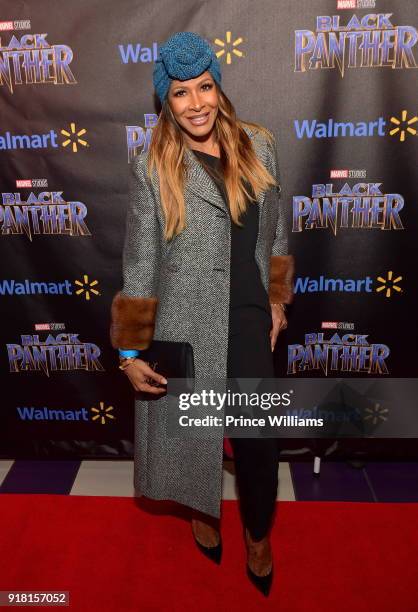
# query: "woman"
[[205, 261]]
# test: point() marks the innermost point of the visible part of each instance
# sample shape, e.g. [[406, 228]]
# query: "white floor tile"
[[5, 465], [113, 478], [286, 490], [228, 481]]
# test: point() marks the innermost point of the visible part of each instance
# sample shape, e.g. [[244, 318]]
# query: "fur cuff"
[[133, 321], [282, 268]]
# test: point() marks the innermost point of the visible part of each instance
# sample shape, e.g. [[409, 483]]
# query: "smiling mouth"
[[199, 120]]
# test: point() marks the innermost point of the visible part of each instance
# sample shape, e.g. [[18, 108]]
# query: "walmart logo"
[[306, 284], [86, 287], [228, 47], [101, 415], [83, 288], [74, 138], [376, 414], [30, 413], [343, 129], [46, 140], [403, 126], [388, 285], [137, 53]]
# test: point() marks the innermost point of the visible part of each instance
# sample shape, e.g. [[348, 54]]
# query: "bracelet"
[[128, 352], [279, 304], [125, 361]]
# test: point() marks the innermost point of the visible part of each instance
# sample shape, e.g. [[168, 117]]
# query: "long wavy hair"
[[244, 175]]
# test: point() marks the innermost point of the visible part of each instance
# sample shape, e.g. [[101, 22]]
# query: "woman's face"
[[194, 104]]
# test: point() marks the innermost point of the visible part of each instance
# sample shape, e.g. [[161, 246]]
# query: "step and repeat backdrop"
[[336, 82]]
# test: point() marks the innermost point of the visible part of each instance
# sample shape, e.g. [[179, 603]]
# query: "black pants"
[[256, 459]]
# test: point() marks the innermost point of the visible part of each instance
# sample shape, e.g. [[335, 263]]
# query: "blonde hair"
[[238, 159]]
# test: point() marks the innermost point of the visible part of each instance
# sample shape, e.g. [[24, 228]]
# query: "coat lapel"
[[201, 183]]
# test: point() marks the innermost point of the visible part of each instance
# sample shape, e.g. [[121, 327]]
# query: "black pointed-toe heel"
[[262, 583], [211, 552], [214, 553]]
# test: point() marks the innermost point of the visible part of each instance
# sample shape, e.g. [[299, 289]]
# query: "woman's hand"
[[279, 323], [140, 375]]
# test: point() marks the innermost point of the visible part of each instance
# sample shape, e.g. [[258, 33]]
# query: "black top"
[[246, 288]]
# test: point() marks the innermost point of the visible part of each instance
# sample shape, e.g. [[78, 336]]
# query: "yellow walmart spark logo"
[[389, 284], [403, 126], [86, 287], [228, 48], [73, 137], [102, 414], [376, 414]]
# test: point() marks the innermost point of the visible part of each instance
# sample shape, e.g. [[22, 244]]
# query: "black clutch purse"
[[171, 360]]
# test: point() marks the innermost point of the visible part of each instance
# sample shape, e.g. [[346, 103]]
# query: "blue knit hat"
[[184, 56]]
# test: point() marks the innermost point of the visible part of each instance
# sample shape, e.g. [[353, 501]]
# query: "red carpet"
[[121, 554]]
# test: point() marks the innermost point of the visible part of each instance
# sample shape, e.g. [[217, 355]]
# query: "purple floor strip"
[[393, 482], [55, 477], [337, 481]]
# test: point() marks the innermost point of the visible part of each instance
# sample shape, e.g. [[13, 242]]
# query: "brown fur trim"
[[282, 269], [133, 321]]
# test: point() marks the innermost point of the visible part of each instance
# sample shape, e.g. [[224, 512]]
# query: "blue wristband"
[[129, 352]]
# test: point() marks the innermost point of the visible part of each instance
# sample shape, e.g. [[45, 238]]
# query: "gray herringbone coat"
[[179, 290]]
